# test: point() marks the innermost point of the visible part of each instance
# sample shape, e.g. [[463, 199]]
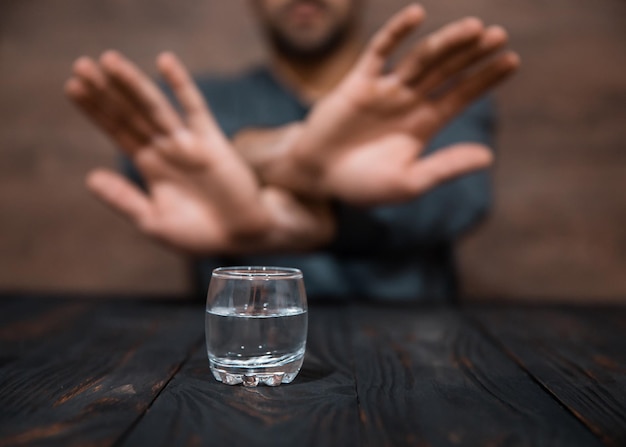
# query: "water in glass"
[[256, 326]]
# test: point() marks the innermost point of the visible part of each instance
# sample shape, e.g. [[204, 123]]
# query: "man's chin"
[[311, 45]]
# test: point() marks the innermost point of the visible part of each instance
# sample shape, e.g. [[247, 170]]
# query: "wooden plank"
[[26, 323], [577, 354], [427, 377], [89, 382], [318, 409]]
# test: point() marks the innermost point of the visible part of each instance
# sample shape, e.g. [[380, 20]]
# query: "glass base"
[[270, 376]]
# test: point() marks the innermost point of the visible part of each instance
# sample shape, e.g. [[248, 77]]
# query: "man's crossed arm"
[[360, 144]]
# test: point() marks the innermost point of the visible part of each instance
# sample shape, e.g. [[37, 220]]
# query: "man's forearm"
[[272, 154]]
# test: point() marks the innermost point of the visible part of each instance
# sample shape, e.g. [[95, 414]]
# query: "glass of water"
[[256, 324]]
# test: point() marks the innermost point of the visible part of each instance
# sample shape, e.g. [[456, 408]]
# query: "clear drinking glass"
[[256, 324]]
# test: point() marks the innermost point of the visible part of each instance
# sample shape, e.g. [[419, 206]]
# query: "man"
[[338, 163]]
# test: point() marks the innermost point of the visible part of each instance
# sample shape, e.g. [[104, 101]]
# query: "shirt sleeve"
[[439, 216]]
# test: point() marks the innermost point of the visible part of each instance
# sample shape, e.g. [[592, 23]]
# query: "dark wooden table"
[[134, 372]]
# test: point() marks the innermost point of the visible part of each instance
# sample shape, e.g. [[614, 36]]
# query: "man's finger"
[[390, 36], [123, 197], [474, 85], [493, 40], [186, 91], [446, 164], [437, 47], [142, 91], [78, 92], [109, 101]]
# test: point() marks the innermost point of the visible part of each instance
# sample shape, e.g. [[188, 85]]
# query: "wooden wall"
[[558, 228]]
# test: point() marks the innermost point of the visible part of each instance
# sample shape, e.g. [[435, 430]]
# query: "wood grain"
[[27, 323], [318, 409], [136, 373], [426, 377], [87, 379], [576, 354]]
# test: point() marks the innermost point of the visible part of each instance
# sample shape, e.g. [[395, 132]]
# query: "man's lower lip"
[[305, 11]]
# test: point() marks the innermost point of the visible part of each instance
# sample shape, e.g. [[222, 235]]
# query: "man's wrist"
[[293, 168], [282, 157]]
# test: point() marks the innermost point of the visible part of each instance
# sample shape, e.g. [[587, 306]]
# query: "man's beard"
[[312, 52]]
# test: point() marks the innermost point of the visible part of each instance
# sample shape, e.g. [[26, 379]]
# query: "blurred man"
[[329, 159]]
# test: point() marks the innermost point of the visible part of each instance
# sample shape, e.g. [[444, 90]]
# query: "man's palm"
[[202, 197], [367, 136]]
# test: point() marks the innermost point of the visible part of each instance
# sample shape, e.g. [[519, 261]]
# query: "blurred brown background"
[[557, 230]]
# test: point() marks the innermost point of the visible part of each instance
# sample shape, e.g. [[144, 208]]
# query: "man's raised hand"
[[202, 197], [363, 142]]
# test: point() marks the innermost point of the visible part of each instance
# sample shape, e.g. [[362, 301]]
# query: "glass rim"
[[251, 272]]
